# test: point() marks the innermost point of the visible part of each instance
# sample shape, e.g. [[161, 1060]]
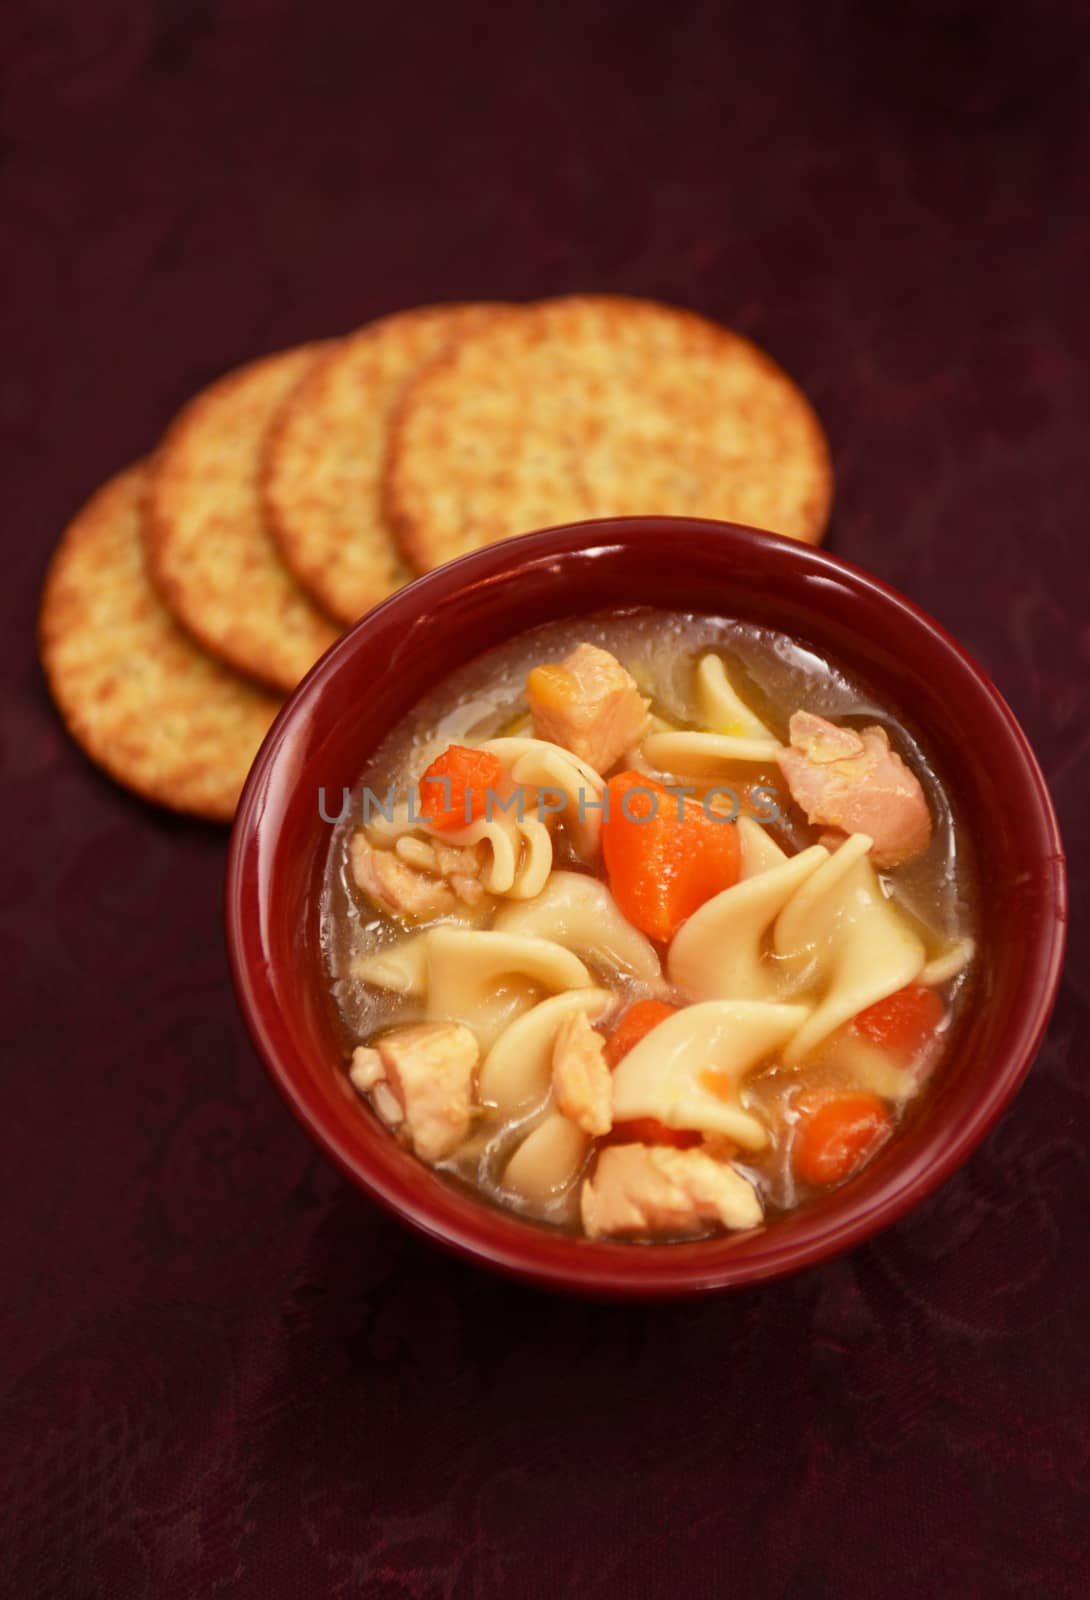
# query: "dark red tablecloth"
[[224, 1372]]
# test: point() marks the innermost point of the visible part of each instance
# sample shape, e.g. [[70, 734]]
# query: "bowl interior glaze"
[[375, 674]]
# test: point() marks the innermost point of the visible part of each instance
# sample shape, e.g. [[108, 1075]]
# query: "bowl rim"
[[575, 1264]]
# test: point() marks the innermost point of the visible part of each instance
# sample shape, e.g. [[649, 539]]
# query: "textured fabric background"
[[223, 1372]]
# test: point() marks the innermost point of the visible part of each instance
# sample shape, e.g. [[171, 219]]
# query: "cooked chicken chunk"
[[582, 1085], [416, 879], [395, 885], [369, 1076], [589, 704], [429, 1070], [853, 782], [457, 860], [417, 853], [366, 1069], [652, 1189]]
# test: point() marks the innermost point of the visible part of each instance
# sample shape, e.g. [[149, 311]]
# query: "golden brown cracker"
[[324, 457], [208, 545], [595, 406], [146, 704]]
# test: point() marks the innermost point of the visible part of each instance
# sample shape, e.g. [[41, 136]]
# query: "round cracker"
[[596, 406], [146, 704], [207, 541], [324, 457]]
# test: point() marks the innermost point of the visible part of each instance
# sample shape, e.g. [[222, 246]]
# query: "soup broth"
[[648, 1026]]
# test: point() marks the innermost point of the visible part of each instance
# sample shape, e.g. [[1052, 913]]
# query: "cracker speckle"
[[594, 406], [208, 545], [323, 463], [146, 704]]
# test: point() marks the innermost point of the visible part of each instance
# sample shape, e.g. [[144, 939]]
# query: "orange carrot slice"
[[837, 1136], [904, 1023], [649, 1130], [662, 867], [635, 1025], [454, 789]]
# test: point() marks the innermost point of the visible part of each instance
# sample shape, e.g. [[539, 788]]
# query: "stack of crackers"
[[195, 589]]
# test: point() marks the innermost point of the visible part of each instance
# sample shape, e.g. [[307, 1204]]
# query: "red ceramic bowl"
[[374, 675]]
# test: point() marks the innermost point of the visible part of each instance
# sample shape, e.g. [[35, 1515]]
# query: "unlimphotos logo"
[[722, 803]]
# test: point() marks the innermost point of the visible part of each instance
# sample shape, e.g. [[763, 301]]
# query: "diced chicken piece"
[[456, 859], [418, 853], [854, 783], [582, 1084], [460, 865], [387, 1104], [640, 1189], [822, 741], [395, 886], [429, 1070], [589, 704], [470, 891], [368, 1076], [366, 1069], [417, 880]]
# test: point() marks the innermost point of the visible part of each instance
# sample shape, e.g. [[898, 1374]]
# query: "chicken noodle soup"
[[661, 928]]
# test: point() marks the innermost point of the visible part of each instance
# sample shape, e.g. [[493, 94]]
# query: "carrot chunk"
[[552, 685], [635, 1025], [662, 867], [649, 1130], [837, 1136], [454, 789], [904, 1023]]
